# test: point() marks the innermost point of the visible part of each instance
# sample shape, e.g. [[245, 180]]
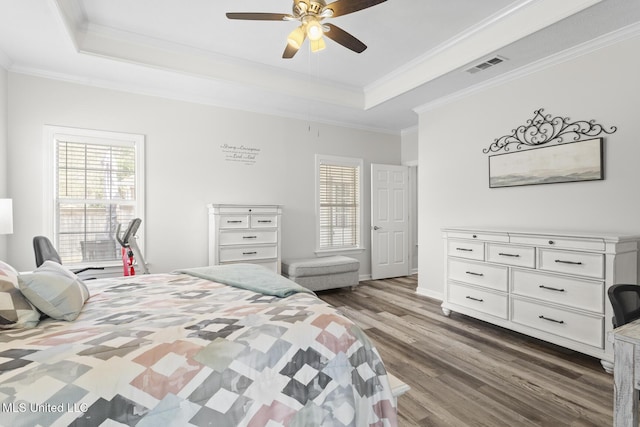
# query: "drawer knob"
[[249, 237], [262, 221], [550, 288], [464, 249], [474, 236], [474, 274], [249, 253], [234, 221], [474, 299], [551, 242], [550, 319]]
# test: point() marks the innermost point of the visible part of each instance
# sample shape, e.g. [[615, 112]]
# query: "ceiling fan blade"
[[344, 7], [339, 35], [289, 52], [259, 16]]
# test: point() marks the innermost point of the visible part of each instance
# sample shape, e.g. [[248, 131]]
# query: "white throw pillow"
[[55, 291]]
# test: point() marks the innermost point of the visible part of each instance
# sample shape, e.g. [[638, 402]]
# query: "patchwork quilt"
[[177, 350]]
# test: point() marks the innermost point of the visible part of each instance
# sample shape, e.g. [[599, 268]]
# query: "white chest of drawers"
[[549, 285], [245, 233]]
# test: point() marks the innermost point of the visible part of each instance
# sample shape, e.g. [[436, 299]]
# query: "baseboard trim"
[[429, 293]]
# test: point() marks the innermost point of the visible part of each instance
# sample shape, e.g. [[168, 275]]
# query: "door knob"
[[375, 227]]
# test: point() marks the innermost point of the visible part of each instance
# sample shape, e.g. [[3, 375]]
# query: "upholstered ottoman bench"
[[323, 273]]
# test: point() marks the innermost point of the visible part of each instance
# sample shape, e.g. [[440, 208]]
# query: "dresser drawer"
[[234, 221], [486, 275], [466, 249], [237, 209], [263, 221], [248, 237], [521, 256], [579, 263], [478, 299], [560, 242], [489, 237], [576, 293], [247, 253], [579, 327]]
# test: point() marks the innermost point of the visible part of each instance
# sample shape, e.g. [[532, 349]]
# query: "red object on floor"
[[127, 262]]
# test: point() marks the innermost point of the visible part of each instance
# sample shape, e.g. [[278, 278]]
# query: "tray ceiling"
[[418, 51]]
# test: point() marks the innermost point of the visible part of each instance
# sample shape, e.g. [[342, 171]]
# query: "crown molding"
[[190, 61], [71, 17], [438, 50], [518, 20], [409, 131], [124, 46], [505, 27], [586, 48], [179, 95]]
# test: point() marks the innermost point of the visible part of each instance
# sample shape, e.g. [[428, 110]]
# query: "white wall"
[[453, 173], [409, 143], [185, 167], [3, 151]]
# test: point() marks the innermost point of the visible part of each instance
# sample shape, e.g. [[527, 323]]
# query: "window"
[[339, 195], [97, 184]]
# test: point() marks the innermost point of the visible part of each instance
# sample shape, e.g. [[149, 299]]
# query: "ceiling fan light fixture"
[[311, 14], [314, 30], [296, 37], [326, 13], [317, 45]]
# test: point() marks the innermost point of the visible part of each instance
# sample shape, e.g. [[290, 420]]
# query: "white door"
[[389, 221]]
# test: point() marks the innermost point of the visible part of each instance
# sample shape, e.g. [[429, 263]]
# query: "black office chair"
[[625, 300], [44, 251]]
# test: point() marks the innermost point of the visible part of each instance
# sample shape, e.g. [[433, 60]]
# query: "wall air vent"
[[486, 64]]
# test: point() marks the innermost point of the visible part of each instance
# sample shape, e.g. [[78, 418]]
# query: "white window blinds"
[[95, 190], [339, 205]]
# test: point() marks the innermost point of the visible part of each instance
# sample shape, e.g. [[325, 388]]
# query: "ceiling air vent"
[[486, 64]]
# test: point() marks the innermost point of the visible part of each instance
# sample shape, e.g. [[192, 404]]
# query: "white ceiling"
[[418, 50]]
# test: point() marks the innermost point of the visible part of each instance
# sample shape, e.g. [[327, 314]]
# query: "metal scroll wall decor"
[[558, 150], [545, 129]]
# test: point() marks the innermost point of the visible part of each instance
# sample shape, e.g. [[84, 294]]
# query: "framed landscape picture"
[[569, 162]]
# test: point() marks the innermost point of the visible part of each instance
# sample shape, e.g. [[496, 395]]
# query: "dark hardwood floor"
[[464, 372]]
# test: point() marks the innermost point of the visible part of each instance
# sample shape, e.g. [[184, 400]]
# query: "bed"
[[183, 349]]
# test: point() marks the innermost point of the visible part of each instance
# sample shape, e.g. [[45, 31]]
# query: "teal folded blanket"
[[252, 277]]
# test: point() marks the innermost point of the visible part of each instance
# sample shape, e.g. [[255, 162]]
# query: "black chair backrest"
[[44, 251], [625, 300]]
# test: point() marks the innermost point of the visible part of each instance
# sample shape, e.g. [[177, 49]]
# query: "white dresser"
[[245, 233], [549, 285]]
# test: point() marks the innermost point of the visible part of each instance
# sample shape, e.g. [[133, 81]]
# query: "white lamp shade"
[[6, 216], [317, 45], [314, 30], [296, 37]]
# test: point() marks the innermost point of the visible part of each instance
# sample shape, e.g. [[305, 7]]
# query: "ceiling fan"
[[311, 13]]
